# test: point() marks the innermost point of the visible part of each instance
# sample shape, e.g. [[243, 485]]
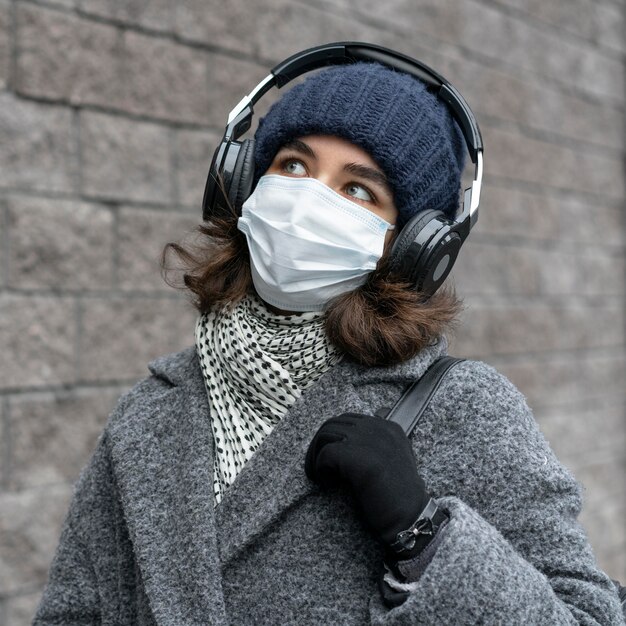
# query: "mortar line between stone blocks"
[[78, 175], [164, 295], [540, 297], [584, 401], [115, 248], [107, 202], [78, 317], [89, 107], [12, 78], [68, 389], [4, 243], [3, 612], [173, 166], [6, 448], [540, 301], [556, 244], [547, 409], [530, 355], [545, 412]]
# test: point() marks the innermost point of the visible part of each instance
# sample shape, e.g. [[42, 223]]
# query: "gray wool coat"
[[143, 544]]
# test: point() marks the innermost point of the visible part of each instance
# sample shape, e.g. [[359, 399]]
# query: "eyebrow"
[[369, 173], [358, 169], [299, 146]]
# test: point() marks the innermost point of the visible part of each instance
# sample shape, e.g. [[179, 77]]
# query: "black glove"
[[373, 458]]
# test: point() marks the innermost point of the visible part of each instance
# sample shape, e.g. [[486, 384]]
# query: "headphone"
[[426, 248]]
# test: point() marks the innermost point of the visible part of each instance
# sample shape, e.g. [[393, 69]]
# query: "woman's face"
[[345, 168]]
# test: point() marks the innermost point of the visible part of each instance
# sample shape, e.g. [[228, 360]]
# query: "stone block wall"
[[109, 113]]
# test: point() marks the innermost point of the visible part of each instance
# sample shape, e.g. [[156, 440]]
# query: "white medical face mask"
[[308, 243]]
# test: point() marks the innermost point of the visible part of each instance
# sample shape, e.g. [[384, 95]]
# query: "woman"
[[247, 480]]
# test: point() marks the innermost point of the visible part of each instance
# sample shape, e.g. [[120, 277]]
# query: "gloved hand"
[[373, 458]]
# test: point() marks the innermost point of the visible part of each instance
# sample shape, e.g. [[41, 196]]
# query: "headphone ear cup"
[[426, 250], [439, 259], [213, 195], [240, 185], [399, 259]]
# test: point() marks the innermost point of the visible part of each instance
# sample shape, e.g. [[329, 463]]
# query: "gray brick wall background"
[[109, 113]]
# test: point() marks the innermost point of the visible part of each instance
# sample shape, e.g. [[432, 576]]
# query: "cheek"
[[390, 213]]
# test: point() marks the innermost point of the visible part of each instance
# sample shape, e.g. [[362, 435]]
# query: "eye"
[[293, 167], [359, 192]]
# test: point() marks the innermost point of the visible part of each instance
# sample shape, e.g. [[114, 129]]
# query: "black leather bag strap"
[[408, 410]]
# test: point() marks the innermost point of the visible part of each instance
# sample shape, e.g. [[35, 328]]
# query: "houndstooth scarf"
[[255, 365]]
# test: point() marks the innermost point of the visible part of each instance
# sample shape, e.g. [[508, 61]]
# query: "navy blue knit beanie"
[[406, 129]]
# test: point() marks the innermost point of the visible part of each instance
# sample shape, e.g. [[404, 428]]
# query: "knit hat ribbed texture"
[[407, 130]]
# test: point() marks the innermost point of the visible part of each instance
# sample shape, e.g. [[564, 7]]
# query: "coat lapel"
[[273, 479], [162, 455]]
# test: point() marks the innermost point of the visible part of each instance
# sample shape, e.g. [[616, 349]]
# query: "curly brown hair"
[[383, 322]]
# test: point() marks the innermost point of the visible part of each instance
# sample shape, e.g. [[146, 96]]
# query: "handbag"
[[407, 412]]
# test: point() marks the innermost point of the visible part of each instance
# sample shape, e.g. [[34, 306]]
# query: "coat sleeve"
[[513, 551], [72, 592]]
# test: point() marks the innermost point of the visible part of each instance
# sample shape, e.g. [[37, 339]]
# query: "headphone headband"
[[344, 52], [351, 51]]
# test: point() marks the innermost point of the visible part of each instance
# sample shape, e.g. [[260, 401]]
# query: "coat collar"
[[162, 452]]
